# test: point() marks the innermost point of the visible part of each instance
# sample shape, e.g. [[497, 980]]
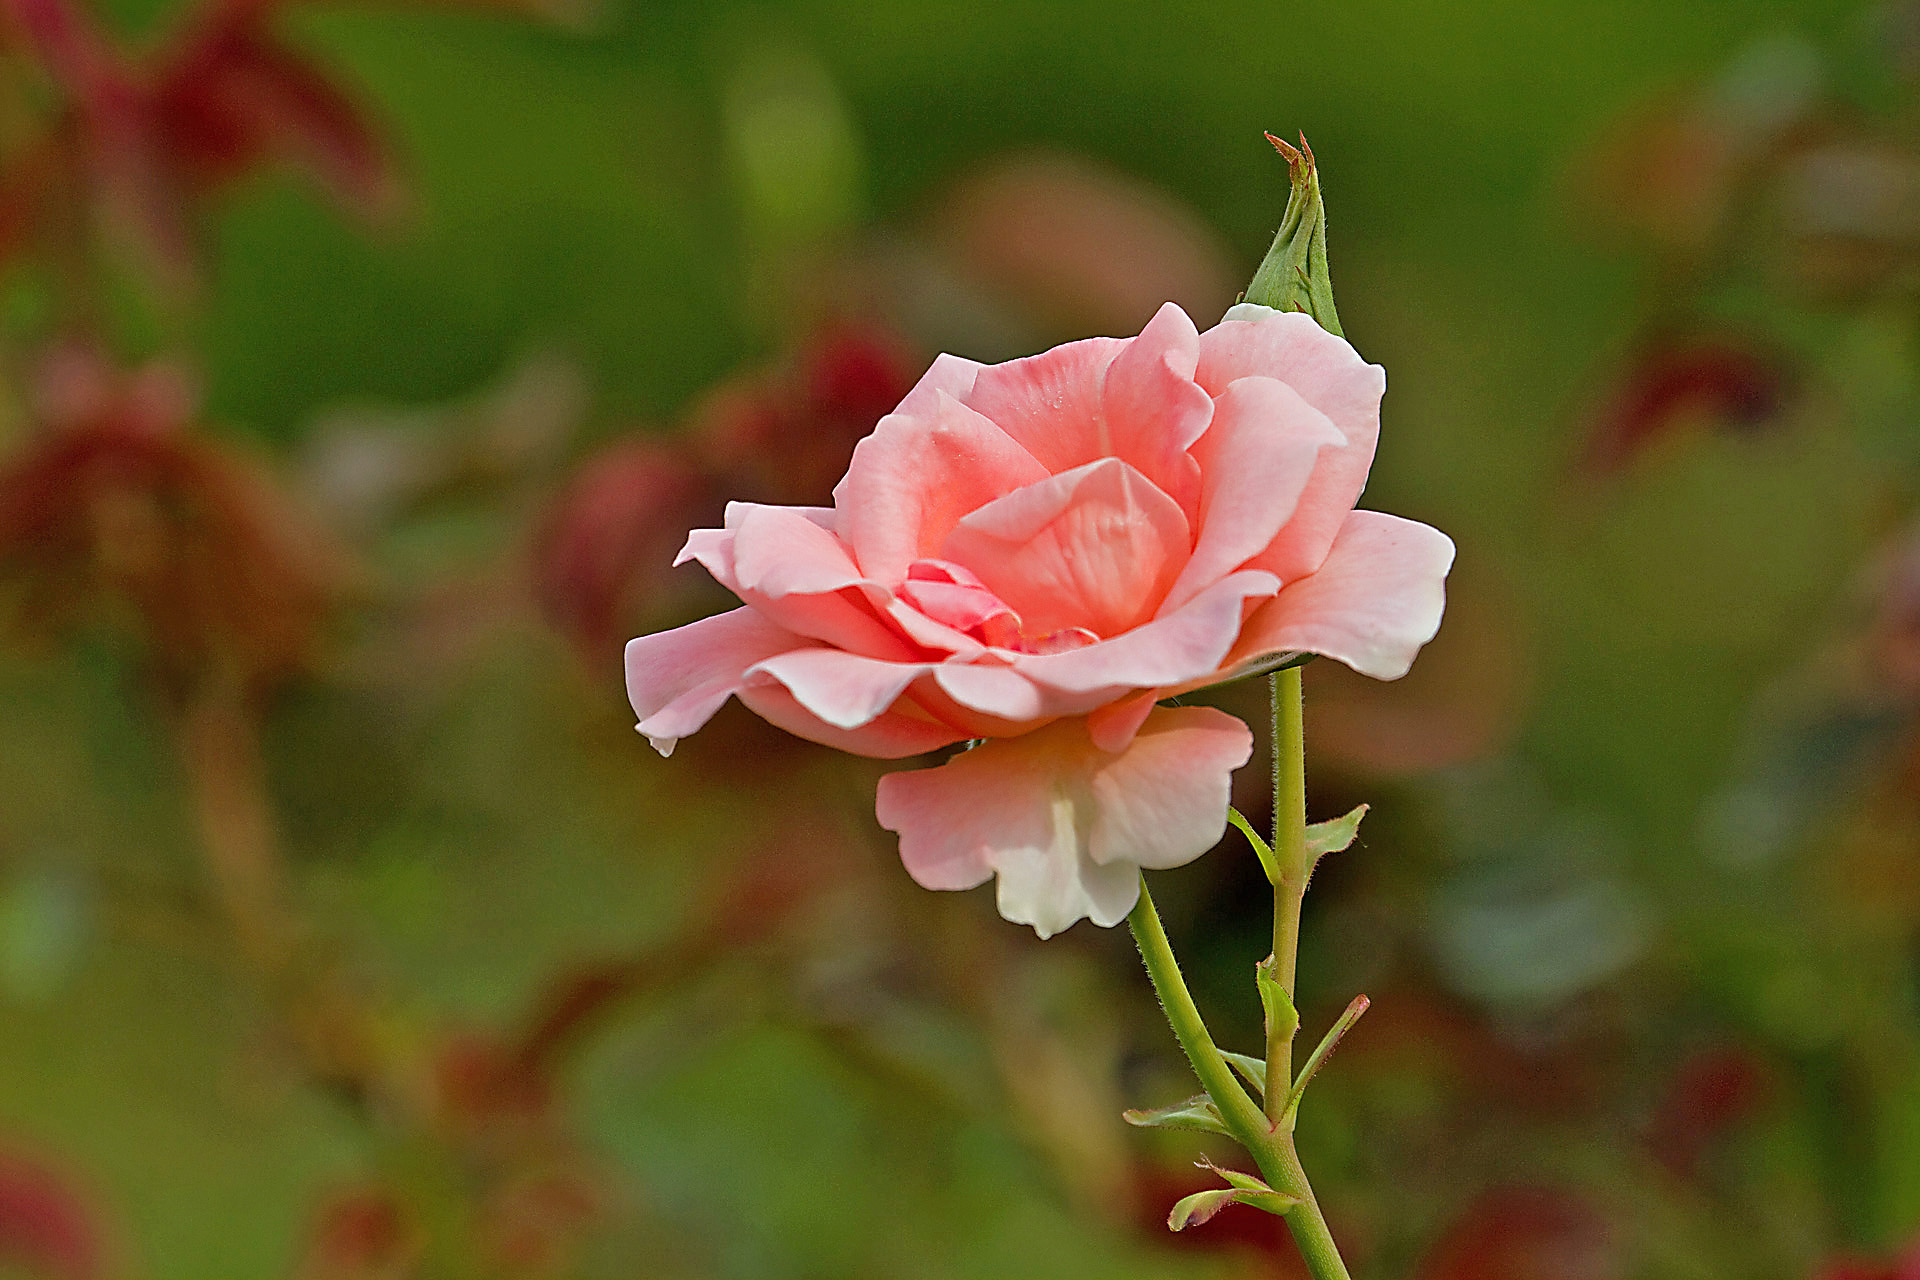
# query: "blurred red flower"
[[1525, 1233], [119, 510], [135, 143], [46, 1227]]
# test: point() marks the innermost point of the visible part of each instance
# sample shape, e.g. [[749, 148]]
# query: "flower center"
[[950, 593]]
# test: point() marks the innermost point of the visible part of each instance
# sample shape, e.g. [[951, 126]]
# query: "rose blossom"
[[1034, 554]]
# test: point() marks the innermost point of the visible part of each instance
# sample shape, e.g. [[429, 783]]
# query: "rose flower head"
[[1033, 555]]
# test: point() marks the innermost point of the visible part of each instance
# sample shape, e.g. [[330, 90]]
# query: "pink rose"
[[1034, 554]]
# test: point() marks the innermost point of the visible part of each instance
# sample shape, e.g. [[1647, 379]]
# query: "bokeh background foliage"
[[346, 930]]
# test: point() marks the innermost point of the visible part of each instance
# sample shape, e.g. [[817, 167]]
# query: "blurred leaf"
[[44, 923]]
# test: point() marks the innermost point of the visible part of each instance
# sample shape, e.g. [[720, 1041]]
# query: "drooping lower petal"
[[677, 679], [1065, 825], [1163, 801], [1373, 602]]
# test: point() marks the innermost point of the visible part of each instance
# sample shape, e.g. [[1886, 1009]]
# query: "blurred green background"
[[361, 368]]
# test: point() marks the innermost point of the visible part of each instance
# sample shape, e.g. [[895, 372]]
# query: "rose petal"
[[892, 735], [1375, 600], [785, 564], [677, 679], [1254, 341], [1113, 725], [1051, 404], [1255, 460], [951, 374], [1095, 547], [1154, 411], [1163, 801], [1065, 825], [997, 690], [916, 475], [845, 690], [1190, 642]]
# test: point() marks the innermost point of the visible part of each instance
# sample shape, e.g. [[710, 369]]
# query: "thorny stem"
[[1266, 1134], [1216, 1077], [1270, 1145], [1290, 856]]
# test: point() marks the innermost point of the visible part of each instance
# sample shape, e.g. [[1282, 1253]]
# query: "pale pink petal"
[[1094, 547], [1375, 600], [929, 633], [1257, 341], [845, 690], [1189, 643], [951, 374], [1154, 410], [780, 551], [713, 549], [954, 604], [1163, 801], [892, 735], [916, 475], [1048, 814], [677, 679], [1113, 725], [1256, 458], [1051, 403], [802, 576], [999, 691]]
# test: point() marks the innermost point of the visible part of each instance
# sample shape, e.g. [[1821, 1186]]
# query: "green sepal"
[[1197, 1112], [1282, 1018], [1334, 835], [1294, 274], [1261, 848]]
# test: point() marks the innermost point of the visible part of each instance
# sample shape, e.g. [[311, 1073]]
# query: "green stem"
[[1290, 858], [1270, 1145], [1216, 1077]]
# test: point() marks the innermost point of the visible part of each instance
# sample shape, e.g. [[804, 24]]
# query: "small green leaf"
[[1320, 1053], [1243, 1188], [1282, 1018], [1237, 1180], [1335, 835], [1261, 848], [1199, 1207], [1197, 1112], [1252, 1070]]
